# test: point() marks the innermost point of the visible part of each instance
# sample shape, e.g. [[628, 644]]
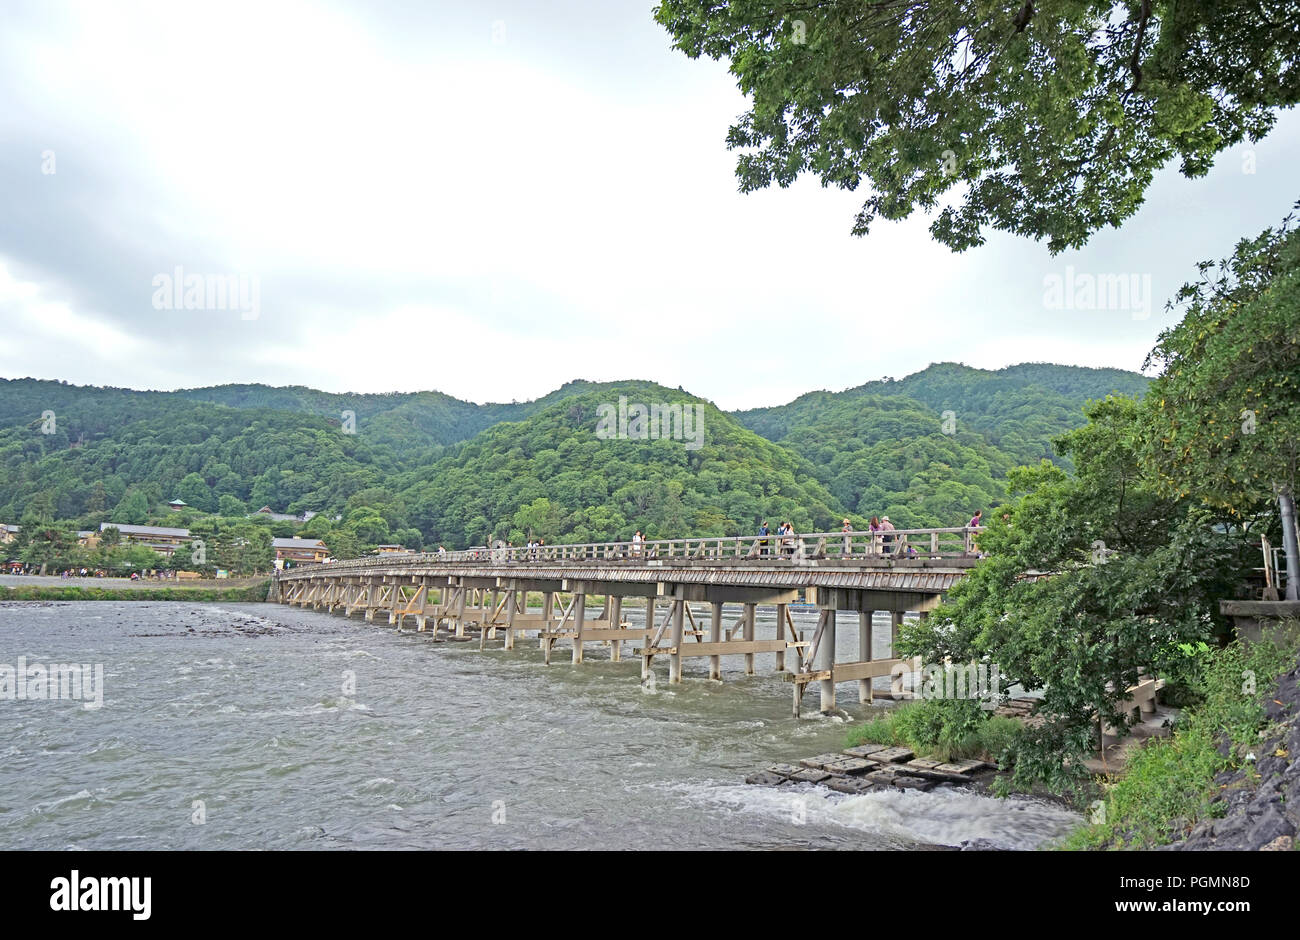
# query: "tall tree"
[[1132, 574], [1044, 119], [1225, 412], [133, 509], [46, 544]]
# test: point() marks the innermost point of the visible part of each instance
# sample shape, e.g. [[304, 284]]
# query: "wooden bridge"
[[485, 592]]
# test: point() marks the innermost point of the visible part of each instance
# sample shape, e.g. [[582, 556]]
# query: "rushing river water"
[[243, 708]]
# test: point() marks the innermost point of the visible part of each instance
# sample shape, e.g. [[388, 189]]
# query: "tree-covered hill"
[[214, 458], [438, 469], [889, 455], [553, 477], [1025, 404], [927, 448]]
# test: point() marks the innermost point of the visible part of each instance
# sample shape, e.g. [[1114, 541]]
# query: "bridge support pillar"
[[749, 635], [370, 600], [865, 692], [650, 625], [895, 624], [462, 592], [422, 615], [548, 608], [675, 660], [579, 616], [512, 604], [780, 634], [828, 660], [490, 633], [614, 606], [715, 636]]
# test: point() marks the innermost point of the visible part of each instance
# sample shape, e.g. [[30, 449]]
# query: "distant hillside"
[[406, 421], [551, 475], [460, 472], [1020, 408], [885, 448], [107, 442]]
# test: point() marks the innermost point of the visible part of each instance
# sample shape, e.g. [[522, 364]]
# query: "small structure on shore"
[[307, 551]]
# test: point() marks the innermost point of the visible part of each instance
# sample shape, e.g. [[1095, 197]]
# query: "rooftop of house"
[[298, 543], [145, 530]]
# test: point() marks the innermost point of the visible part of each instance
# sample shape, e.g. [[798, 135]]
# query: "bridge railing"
[[848, 546]]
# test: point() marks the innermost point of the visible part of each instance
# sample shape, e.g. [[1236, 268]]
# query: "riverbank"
[[1229, 776], [246, 591]]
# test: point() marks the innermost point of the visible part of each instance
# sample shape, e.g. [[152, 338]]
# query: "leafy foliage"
[[881, 448], [552, 477], [945, 729], [1169, 784], [1133, 575], [1225, 416], [406, 477], [1046, 120]]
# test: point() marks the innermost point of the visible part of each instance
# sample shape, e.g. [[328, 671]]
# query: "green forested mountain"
[[440, 470], [1019, 409], [409, 422], [922, 448], [551, 476]]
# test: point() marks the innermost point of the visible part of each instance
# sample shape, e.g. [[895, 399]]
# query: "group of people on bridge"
[[783, 542]]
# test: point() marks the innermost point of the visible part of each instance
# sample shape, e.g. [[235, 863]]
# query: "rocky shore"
[[1260, 802]]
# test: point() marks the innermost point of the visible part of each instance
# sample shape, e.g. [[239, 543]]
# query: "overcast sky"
[[491, 200]]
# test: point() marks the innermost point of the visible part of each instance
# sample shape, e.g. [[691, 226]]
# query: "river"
[[241, 726]]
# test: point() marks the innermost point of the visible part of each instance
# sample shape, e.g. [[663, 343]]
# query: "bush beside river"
[[254, 592]]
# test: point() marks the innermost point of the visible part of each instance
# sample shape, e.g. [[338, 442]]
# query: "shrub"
[[1169, 784], [945, 729]]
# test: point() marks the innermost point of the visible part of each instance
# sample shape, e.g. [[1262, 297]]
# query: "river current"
[[257, 726]]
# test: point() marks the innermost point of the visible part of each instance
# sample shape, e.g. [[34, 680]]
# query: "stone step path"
[[870, 767]]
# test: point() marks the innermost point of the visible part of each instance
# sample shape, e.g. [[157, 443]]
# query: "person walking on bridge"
[[763, 532], [886, 538], [975, 522], [787, 542], [637, 541]]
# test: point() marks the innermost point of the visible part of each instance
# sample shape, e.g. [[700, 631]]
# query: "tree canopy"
[[1225, 421], [1048, 120], [881, 448]]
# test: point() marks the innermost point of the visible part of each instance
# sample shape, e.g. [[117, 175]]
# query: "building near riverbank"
[[161, 539], [268, 513], [299, 550]]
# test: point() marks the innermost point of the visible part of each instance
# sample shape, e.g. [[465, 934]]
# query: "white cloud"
[[425, 209]]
